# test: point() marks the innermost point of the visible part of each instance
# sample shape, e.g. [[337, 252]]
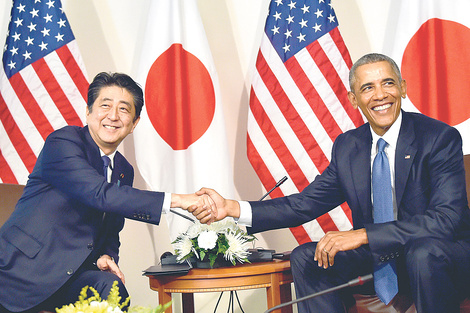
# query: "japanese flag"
[[430, 41], [180, 142]]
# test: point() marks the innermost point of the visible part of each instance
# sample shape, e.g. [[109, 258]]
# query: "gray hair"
[[369, 59]]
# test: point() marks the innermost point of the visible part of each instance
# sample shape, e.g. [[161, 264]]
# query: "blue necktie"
[[106, 161], [385, 276]]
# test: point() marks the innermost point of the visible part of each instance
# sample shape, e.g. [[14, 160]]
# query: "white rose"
[[207, 240]]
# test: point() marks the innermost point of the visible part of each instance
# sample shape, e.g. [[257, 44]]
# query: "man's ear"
[[352, 99], [135, 124], [403, 88]]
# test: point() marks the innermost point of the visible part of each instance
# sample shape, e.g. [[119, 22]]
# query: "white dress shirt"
[[166, 198], [391, 137]]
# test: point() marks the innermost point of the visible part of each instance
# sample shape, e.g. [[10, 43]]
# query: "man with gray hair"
[[402, 174]]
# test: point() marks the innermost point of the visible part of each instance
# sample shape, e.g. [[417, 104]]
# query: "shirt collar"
[[111, 157], [391, 136]]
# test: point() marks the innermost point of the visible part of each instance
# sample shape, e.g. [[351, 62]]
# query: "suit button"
[[70, 272], [148, 217], [90, 246], [382, 259]]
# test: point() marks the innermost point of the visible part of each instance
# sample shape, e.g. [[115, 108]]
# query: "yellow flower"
[[94, 304]]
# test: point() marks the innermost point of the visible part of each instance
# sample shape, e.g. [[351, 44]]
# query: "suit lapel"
[[92, 150], [360, 168], [121, 173], [404, 156]]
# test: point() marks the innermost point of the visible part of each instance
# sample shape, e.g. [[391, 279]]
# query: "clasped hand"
[[207, 205], [213, 207], [201, 206]]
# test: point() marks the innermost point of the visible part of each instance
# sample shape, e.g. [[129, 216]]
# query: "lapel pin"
[[122, 175], [407, 156]]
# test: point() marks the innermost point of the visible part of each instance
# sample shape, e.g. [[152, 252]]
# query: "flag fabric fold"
[[430, 41], [180, 142], [299, 104], [43, 85]]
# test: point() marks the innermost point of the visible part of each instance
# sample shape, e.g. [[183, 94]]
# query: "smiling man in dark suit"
[[64, 232], [425, 240]]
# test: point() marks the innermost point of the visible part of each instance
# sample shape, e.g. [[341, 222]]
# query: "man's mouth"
[[382, 107], [109, 127]]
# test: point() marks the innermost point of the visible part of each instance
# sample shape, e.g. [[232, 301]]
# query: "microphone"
[[182, 215], [279, 183], [361, 280]]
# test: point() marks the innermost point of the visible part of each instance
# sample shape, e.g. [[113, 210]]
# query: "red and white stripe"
[[297, 109], [41, 98]]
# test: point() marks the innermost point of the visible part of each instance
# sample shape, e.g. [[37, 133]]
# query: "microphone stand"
[[279, 183], [354, 282], [234, 292], [182, 215]]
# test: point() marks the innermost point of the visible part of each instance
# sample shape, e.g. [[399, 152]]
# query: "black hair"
[[105, 79]]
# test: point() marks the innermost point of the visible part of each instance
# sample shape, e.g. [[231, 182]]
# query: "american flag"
[[299, 104], [43, 84]]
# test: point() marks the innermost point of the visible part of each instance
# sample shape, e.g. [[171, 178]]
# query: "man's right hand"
[[202, 204], [224, 207]]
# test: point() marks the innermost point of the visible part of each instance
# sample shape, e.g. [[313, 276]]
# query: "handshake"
[[206, 205]]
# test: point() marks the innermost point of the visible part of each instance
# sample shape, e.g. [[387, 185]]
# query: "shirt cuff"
[[166, 203], [246, 215]]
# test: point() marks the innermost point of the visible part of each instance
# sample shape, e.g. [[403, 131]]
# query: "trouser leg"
[[439, 272], [67, 294], [100, 281], [309, 278]]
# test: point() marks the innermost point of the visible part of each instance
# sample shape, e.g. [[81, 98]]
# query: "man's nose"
[[113, 114], [380, 93]]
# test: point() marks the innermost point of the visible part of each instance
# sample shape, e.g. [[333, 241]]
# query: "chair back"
[[9, 195], [466, 161]]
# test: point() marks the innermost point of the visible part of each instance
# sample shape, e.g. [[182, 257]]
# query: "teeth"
[[382, 107], [110, 127]]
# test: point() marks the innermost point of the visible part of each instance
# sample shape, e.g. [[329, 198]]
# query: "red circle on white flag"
[[180, 97], [436, 66]]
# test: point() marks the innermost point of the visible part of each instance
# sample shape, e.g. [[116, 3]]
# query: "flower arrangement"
[[94, 303], [223, 239]]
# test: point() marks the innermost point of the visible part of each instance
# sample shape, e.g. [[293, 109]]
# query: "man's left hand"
[[335, 241], [106, 263]]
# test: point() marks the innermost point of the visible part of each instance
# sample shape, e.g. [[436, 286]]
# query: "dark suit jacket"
[[429, 186], [58, 222]]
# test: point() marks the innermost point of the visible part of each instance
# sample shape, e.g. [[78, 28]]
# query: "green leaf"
[[222, 244], [212, 258]]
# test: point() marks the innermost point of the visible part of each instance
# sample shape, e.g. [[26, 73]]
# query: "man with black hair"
[[64, 232]]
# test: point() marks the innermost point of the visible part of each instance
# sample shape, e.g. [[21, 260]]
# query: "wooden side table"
[[275, 276]]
